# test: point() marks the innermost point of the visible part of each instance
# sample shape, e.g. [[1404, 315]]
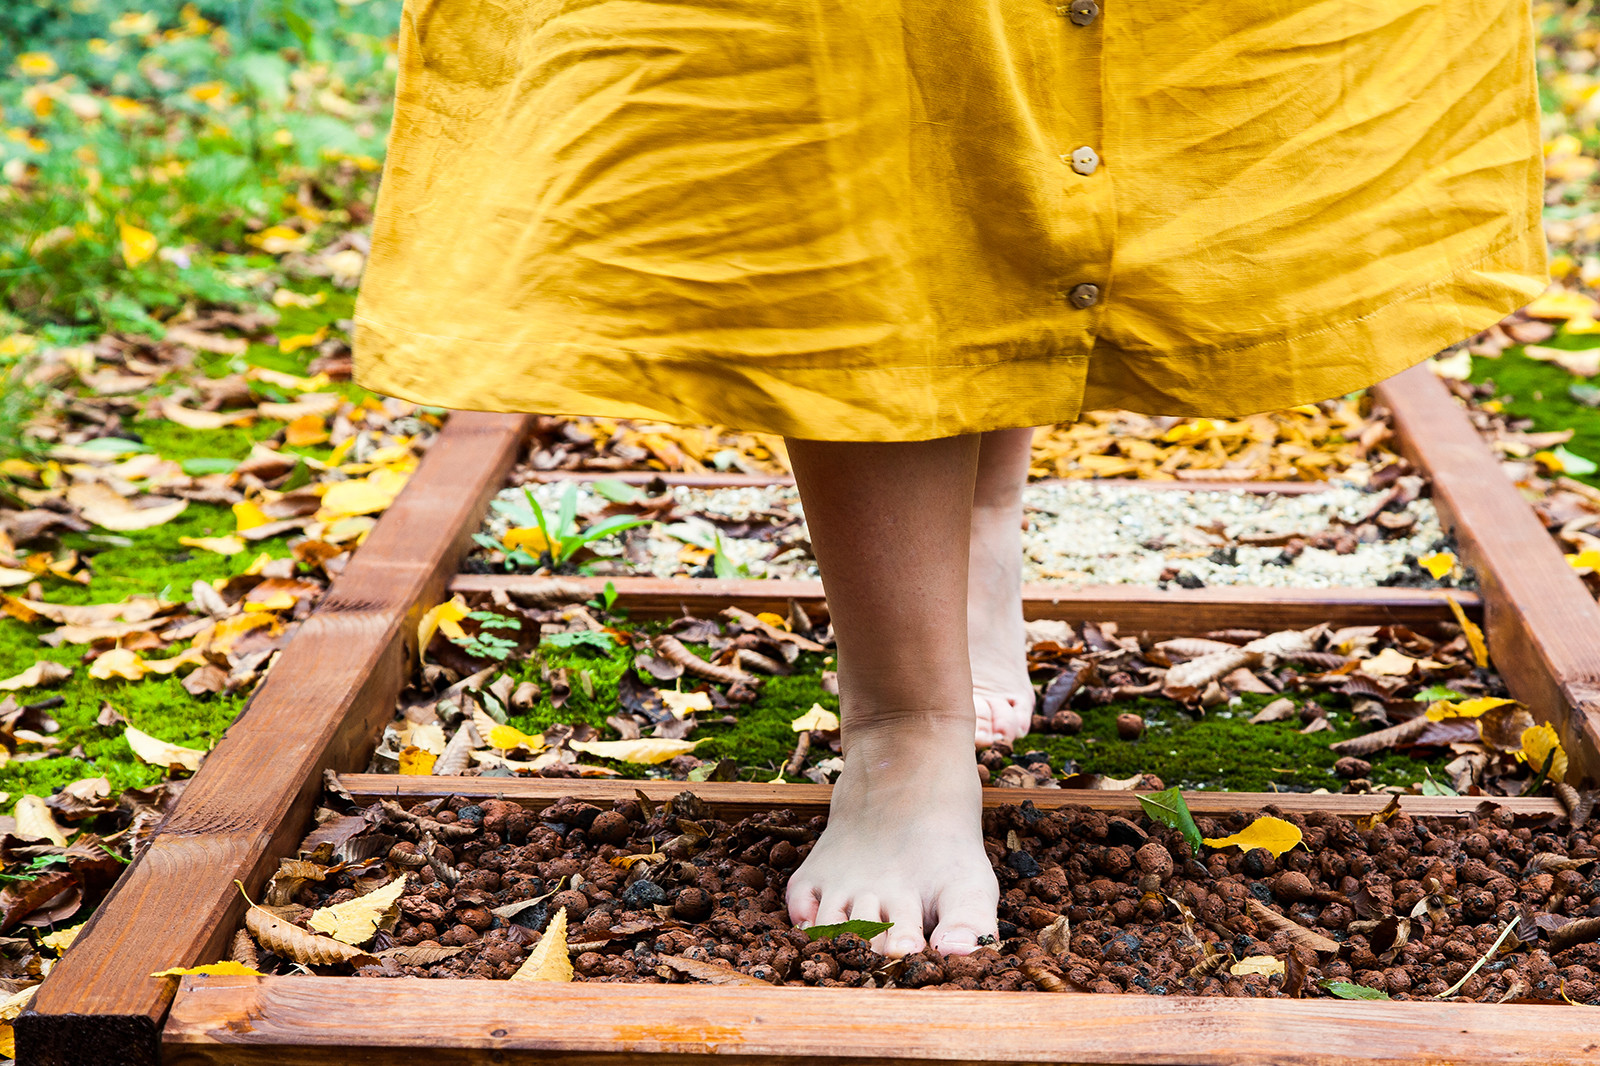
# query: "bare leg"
[[904, 843], [1001, 691]]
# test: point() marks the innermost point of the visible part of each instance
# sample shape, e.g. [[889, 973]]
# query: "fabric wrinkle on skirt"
[[887, 220]]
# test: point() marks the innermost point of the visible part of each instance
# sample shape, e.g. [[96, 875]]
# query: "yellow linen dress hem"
[[941, 399]]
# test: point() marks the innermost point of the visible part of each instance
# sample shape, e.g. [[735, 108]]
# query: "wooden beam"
[[1542, 624], [322, 706], [731, 481], [1161, 613], [333, 1021], [739, 798]]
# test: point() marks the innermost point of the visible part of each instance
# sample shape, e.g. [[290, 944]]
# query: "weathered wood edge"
[[321, 1021], [1543, 626], [320, 707], [738, 481], [740, 798], [1136, 609]]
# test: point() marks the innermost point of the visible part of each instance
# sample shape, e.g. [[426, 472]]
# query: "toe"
[[802, 900], [986, 733], [833, 909], [904, 936], [966, 916]]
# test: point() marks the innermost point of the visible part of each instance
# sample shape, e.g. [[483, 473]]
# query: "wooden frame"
[[324, 704]]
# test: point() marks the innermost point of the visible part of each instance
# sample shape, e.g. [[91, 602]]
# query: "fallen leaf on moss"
[[549, 959], [507, 738], [683, 704], [212, 969], [228, 545], [1392, 663], [1439, 710], [1273, 834], [358, 496], [646, 750], [357, 921], [102, 505], [1266, 965], [43, 672], [247, 515], [158, 752], [817, 718], [118, 662]]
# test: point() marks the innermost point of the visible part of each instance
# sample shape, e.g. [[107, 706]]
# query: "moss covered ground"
[[1542, 392], [1220, 750]]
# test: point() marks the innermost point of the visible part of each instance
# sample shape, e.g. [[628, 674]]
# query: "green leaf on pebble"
[[1572, 463], [863, 929], [1350, 990], [1168, 808], [202, 467]]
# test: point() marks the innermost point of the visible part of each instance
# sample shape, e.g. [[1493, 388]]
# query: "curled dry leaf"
[[297, 944], [710, 972], [818, 717], [1054, 937], [1297, 933], [672, 650], [291, 875], [1265, 965], [356, 921], [419, 954], [645, 750], [35, 822], [243, 950], [549, 960], [44, 672], [1276, 711], [158, 752]]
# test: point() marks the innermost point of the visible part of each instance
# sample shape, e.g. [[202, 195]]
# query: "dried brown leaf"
[[711, 973], [1297, 933]]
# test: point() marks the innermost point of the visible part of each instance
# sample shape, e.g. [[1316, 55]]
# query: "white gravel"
[[1080, 533]]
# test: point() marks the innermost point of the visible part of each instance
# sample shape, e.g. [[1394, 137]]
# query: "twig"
[[1487, 955], [802, 748]]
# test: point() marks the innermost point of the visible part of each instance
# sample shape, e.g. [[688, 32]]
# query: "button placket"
[[1084, 160], [1079, 12]]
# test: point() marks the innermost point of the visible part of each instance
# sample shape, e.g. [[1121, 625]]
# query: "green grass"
[[1539, 391]]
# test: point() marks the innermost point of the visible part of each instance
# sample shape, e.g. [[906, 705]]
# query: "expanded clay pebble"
[[1139, 903]]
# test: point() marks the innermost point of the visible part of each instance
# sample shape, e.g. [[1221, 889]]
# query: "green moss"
[[159, 706], [1538, 391], [1222, 750]]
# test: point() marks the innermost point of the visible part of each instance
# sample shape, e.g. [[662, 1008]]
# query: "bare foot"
[[904, 842], [996, 643]]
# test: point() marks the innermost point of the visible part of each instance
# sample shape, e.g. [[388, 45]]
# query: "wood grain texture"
[[739, 798], [729, 481], [333, 1021], [1542, 624], [322, 706], [1162, 613]]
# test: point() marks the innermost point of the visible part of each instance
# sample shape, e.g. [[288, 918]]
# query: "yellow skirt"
[[904, 219]]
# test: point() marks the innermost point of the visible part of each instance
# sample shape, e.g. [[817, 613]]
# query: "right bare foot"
[[904, 842]]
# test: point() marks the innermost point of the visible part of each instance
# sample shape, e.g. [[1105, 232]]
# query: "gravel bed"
[[1079, 533], [1089, 902]]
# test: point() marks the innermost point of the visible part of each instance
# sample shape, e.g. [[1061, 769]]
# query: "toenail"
[[961, 938], [903, 946]]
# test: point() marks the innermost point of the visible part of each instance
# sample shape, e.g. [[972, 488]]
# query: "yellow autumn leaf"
[[549, 960], [1266, 965], [302, 340], [1470, 630], [417, 762], [1274, 834], [211, 969], [247, 515], [118, 662], [1540, 743], [137, 245], [158, 752], [776, 621], [36, 64], [222, 636], [277, 601], [1561, 303], [1438, 564], [1585, 560], [188, 657], [375, 492], [60, 940], [1439, 710], [305, 431], [528, 538], [645, 750], [228, 545], [506, 737], [683, 704], [445, 616], [356, 921], [818, 717], [276, 240]]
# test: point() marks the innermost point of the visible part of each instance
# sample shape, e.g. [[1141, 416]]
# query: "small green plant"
[[607, 600], [564, 538], [485, 644], [601, 643]]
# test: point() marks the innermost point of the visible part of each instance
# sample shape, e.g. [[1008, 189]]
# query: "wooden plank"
[[732, 481], [1542, 624], [1162, 613], [321, 706], [332, 1021], [739, 798]]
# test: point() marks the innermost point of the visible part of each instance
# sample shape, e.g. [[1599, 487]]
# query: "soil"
[[1409, 904]]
